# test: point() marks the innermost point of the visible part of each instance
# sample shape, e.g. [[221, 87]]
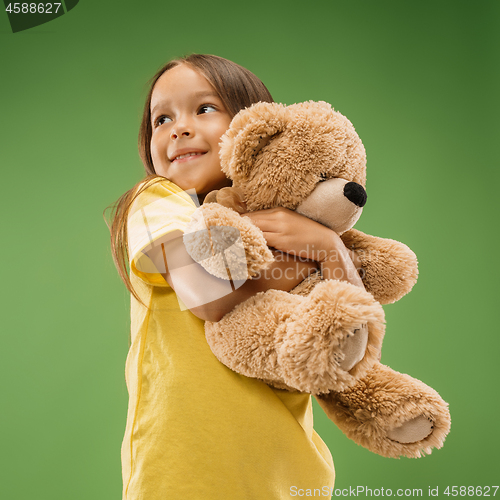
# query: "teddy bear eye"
[[322, 177]]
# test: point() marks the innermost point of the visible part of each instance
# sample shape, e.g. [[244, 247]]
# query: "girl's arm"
[[194, 285], [299, 242], [280, 275]]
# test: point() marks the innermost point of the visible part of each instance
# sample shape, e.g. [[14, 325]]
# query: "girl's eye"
[[207, 108], [162, 119]]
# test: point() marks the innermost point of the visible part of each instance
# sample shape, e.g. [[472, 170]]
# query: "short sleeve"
[[161, 212]]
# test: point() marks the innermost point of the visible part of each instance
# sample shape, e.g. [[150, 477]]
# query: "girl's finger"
[[264, 223]]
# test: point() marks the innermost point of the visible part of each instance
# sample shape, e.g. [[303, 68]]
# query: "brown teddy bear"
[[324, 337]]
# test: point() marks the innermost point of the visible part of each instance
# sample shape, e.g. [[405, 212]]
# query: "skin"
[[187, 115], [297, 235]]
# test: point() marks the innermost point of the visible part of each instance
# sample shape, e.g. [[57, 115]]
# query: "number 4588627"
[[33, 8], [471, 491]]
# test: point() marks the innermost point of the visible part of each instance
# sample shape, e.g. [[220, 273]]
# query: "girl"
[[195, 429]]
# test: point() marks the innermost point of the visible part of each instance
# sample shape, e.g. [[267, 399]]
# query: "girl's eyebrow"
[[197, 95], [206, 93]]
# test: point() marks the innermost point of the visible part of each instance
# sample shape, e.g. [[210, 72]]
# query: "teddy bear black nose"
[[356, 193]]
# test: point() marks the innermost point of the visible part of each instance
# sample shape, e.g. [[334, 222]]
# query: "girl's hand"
[[295, 234]]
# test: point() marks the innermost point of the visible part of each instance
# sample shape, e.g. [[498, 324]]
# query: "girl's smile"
[[188, 119], [185, 154]]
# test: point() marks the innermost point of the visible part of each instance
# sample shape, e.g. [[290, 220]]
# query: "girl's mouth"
[[187, 157]]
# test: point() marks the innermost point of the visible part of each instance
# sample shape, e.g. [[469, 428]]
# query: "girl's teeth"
[[188, 154]]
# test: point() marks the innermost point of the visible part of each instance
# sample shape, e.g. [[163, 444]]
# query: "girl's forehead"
[[180, 82]]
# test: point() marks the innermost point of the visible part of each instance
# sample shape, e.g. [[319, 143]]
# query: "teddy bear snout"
[[335, 203], [355, 193]]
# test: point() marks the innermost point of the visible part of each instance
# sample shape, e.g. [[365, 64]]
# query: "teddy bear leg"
[[390, 413], [333, 338], [247, 339]]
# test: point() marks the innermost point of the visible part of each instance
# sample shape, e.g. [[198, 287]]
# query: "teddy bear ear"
[[315, 106], [249, 132]]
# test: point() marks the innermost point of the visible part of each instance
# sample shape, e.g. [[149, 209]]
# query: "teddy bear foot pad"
[[354, 348], [412, 431]]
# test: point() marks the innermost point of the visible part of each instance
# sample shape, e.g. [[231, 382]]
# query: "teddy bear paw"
[[225, 244]]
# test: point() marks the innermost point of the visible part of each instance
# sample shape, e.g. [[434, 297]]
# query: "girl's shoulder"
[[159, 190], [160, 212], [160, 206], [159, 185]]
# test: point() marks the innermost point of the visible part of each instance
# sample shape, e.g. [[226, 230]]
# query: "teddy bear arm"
[[390, 268], [226, 244]]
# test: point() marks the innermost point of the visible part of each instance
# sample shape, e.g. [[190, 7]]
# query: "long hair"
[[236, 86]]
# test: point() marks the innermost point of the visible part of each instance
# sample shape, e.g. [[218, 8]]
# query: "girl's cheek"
[[154, 158]]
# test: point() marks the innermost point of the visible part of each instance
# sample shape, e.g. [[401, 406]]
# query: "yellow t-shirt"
[[195, 429]]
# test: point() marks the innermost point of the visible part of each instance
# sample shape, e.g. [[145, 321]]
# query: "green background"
[[419, 80]]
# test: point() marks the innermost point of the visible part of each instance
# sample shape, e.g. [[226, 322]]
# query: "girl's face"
[[188, 120]]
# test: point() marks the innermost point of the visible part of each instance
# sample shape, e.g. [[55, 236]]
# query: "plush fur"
[[390, 268], [297, 157], [293, 339], [385, 400]]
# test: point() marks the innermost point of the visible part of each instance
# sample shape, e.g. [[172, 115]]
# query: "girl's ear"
[[249, 132]]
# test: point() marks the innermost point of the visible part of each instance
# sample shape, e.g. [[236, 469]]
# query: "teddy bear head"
[[305, 157]]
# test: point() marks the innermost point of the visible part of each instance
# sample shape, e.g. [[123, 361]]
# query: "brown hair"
[[237, 87]]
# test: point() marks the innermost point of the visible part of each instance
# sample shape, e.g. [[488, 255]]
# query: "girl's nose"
[[183, 128], [175, 134]]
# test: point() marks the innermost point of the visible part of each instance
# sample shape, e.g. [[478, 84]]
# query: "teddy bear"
[[324, 337]]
